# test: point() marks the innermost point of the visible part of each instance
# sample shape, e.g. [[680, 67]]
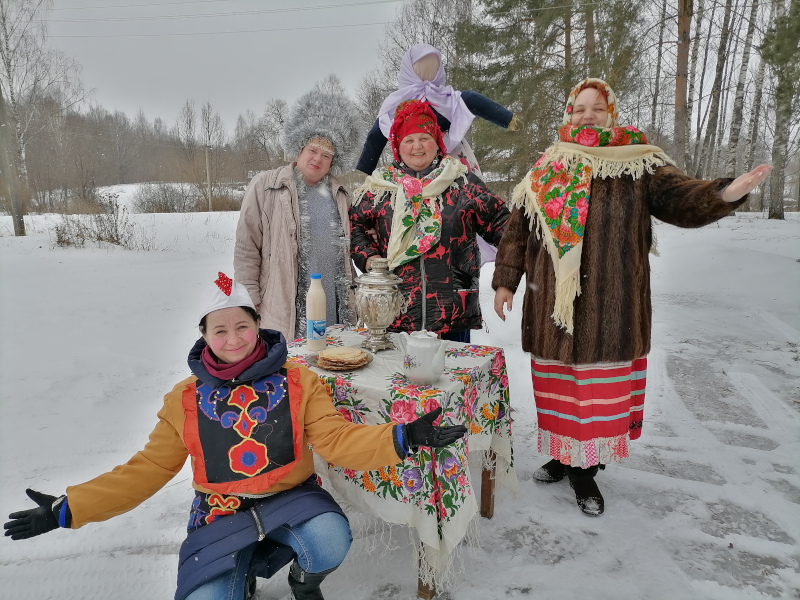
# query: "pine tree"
[[527, 55], [781, 50]]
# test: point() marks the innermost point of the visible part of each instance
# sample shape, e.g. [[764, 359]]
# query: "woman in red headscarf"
[[580, 232], [427, 210]]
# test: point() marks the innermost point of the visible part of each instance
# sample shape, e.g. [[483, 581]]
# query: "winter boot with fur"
[[250, 587], [550, 472], [587, 494], [305, 585]]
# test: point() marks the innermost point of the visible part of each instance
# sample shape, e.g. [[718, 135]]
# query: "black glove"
[[422, 432], [35, 521]]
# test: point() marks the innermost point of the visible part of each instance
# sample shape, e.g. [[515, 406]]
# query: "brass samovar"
[[379, 302]]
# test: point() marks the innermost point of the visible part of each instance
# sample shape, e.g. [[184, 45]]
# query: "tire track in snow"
[[686, 425], [771, 409], [791, 334]]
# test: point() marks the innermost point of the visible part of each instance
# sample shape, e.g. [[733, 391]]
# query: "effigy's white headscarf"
[[444, 98]]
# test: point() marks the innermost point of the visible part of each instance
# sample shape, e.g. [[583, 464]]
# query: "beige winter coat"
[[265, 257]]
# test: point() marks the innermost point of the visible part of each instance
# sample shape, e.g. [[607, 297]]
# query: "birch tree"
[[30, 72], [692, 73], [738, 102], [716, 89], [659, 60]]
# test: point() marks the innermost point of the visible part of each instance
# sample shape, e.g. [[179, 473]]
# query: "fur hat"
[[332, 116], [225, 293]]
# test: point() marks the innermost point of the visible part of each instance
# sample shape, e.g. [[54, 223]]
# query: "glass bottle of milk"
[[315, 314]]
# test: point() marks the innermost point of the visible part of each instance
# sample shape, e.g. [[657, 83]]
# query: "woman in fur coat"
[[580, 231]]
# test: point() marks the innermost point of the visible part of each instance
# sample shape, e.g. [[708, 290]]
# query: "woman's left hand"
[[744, 184], [423, 432]]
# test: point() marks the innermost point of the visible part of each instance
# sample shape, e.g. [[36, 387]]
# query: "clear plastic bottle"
[[315, 314]]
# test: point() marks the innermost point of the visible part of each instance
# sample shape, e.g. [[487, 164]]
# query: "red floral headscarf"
[[414, 116]]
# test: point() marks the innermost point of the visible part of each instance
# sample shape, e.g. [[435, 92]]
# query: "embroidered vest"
[[244, 438]]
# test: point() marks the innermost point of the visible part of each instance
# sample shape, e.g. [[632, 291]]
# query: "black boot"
[[587, 494], [550, 472], [305, 585], [250, 587]]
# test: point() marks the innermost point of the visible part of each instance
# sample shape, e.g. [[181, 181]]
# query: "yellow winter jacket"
[[353, 446]]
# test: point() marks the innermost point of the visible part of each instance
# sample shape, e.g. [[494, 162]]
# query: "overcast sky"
[[156, 54]]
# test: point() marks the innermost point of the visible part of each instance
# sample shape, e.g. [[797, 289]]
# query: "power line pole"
[[9, 169], [208, 178]]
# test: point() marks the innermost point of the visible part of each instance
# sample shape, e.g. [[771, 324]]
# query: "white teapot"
[[424, 356]]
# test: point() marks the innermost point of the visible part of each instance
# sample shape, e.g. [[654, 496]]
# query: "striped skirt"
[[587, 413]]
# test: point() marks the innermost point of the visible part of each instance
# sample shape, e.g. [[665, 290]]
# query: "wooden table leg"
[[487, 486], [423, 590]]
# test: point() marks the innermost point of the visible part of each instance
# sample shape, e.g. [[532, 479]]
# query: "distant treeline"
[[737, 60]]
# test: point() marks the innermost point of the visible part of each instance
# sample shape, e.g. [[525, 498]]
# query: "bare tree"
[[716, 88], [692, 71], [738, 102], [700, 121], [331, 84], [10, 169], [755, 117], [258, 138], [659, 61], [681, 75], [30, 72], [212, 135], [423, 22], [121, 140], [187, 133]]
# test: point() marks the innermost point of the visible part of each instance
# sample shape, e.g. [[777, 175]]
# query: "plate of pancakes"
[[340, 358]]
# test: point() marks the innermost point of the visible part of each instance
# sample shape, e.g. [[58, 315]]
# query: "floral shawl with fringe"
[[417, 220], [556, 192]]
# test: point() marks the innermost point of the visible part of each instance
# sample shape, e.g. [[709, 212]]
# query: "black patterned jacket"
[[447, 275]]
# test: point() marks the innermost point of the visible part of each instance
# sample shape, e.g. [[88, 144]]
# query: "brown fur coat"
[[612, 314]]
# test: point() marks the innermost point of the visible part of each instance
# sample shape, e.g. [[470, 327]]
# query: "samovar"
[[379, 302]]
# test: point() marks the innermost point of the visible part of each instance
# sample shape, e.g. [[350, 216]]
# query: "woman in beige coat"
[[294, 220]]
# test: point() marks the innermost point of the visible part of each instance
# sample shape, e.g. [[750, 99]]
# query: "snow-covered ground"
[[708, 506]]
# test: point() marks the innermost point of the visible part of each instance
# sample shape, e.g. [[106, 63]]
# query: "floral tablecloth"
[[431, 491]]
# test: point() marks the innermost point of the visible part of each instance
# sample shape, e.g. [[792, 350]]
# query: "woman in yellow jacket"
[[248, 420]]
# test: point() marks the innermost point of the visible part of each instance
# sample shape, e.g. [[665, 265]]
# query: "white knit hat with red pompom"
[[225, 293]]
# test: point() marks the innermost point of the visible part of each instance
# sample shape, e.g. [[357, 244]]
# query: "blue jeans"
[[319, 544]]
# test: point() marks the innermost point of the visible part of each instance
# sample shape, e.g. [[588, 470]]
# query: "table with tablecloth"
[[432, 492]]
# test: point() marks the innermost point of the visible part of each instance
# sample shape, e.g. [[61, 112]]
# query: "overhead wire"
[[227, 13], [160, 4], [119, 35]]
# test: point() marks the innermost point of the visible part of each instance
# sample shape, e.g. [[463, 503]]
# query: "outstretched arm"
[[744, 184], [50, 514], [678, 199], [487, 109]]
